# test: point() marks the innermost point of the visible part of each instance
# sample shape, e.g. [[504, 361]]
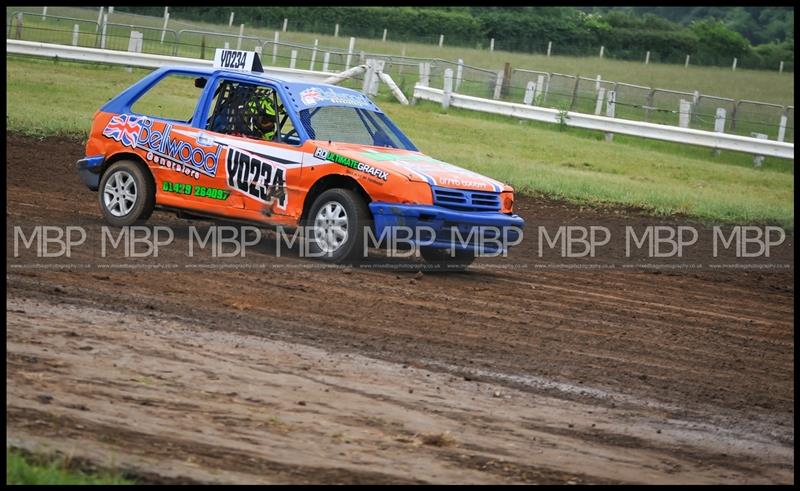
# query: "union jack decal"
[[124, 128]]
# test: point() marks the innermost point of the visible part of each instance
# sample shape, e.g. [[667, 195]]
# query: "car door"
[[263, 173]]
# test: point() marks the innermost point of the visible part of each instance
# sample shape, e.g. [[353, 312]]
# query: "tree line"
[[710, 35]]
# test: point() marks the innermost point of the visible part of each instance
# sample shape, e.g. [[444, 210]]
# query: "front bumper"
[[89, 171], [438, 227]]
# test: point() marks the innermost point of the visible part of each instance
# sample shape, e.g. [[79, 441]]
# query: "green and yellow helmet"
[[260, 114]]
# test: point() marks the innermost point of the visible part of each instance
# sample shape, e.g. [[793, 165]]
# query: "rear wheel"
[[443, 260], [126, 194], [338, 220]]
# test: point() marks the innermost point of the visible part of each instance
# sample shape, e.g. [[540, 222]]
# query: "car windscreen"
[[353, 125]]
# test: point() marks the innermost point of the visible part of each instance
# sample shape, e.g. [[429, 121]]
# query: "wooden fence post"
[[649, 103], [325, 59], [459, 73], [574, 92], [647, 58], [241, 33], [506, 80], [549, 47], [293, 59]]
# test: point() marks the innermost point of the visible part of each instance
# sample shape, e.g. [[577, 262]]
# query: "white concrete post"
[[719, 125], [44, 11], [549, 47], [597, 83], [99, 19], [599, 105], [230, 21], [275, 47], [361, 57], [424, 74], [498, 86], [293, 59], [611, 110], [227, 45], [241, 33], [734, 66], [602, 48], [719, 120], [164, 29], [491, 45], [75, 34], [374, 79], [325, 59], [780, 70], [314, 54], [134, 46], [369, 74], [385, 78], [402, 55], [110, 10], [758, 160], [686, 65], [684, 111], [285, 24], [539, 87], [441, 40], [782, 128], [529, 91], [448, 88], [350, 53], [336, 31], [384, 35], [647, 58], [103, 36], [459, 72]]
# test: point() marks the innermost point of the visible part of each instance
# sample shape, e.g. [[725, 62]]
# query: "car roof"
[[302, 95]]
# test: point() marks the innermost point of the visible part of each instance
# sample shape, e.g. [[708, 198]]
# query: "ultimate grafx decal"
[[323, 154], [257, 177]]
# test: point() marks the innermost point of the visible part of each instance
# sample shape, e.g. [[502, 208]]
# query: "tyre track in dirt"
[[707, 348]]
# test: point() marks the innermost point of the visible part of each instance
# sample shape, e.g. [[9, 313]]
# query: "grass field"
[[45, 97], [22, 469], [758, 85]]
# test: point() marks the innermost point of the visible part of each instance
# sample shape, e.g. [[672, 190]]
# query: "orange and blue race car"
[[287, 153]]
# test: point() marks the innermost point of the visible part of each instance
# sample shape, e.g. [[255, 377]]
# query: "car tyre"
[[337, 224], [126, 193]]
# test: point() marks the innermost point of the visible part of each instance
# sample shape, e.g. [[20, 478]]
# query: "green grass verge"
[[21, 469], [46, 98], [758, 85]]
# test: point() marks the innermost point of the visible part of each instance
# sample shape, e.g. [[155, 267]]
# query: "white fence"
[[140, 59], [688, 136]]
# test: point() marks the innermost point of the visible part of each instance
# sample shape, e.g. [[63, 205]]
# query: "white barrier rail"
[[675, 134], [141, 59]]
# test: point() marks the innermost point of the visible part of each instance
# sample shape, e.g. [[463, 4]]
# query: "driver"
[[259, 114]]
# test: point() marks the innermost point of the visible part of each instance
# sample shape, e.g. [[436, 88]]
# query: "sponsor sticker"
[[257, 176], [162, 146], [323, 154], [314, 95]]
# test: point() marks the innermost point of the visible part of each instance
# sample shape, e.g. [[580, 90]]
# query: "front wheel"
[[443, 260], [126, 194], [338, 221]]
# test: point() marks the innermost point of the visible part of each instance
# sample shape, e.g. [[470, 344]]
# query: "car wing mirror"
[[200, 82]]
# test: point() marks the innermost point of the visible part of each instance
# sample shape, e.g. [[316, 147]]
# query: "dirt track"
[[299, 374]]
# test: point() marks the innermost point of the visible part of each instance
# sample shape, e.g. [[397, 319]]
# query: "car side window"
[[243, 109], [174, 97]]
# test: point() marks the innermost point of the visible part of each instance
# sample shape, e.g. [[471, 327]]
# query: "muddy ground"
[[294, 373]]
